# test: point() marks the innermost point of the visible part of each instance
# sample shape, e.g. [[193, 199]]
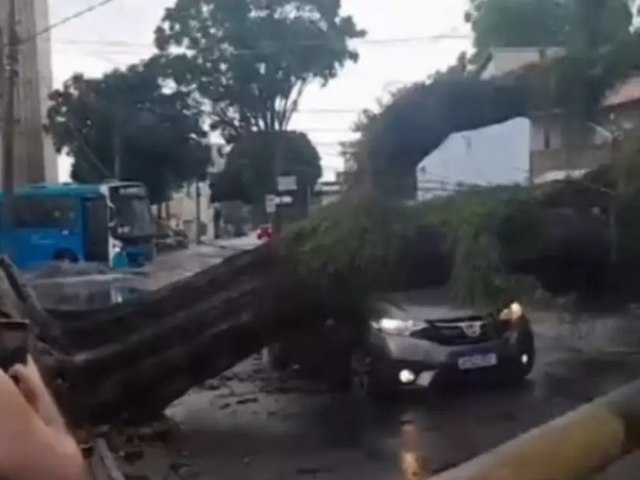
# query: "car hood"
[[422, 312], [416, 306]]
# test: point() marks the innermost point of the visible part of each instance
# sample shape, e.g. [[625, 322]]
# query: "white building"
[[184, 209], [35, 159], [494, 155], [554, 154], [505, 60]]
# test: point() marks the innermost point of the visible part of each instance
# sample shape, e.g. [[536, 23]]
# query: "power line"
[[364, 41], [330, 111], [65, 20]]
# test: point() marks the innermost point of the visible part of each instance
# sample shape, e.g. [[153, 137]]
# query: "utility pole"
[[117, 154], [198, 212], [619, 174], [619, 167], [10, 54]]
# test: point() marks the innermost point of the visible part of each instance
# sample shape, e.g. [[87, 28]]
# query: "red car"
[[265, 232]]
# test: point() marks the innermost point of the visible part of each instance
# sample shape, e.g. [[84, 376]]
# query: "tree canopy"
[[576, 24], [601, 50], [519, 23], [249, 61], [252, 168], [419, 118], [128, 113]]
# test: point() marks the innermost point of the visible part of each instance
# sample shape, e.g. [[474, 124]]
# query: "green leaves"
[[364, 245], [419, 118], [249, 61], [582, 25], [520, 23], [257, 159], [159, 140]]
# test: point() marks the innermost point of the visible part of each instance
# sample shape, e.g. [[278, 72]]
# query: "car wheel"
[[363, 382], [524, 364]]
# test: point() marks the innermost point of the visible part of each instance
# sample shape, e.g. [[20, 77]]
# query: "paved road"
[[82, 286], [252, 425]]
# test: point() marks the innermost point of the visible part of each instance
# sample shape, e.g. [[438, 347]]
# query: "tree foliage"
[[159, 140], [249, 61], [600, 48], [364, 245], [519, 23], [419, 118], [256, 161], [495, 231], [576, 24]]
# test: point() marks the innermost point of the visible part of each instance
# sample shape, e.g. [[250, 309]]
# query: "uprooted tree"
[[128, 362]]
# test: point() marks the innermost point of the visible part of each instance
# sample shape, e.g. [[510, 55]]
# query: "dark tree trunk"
[[127, 363]]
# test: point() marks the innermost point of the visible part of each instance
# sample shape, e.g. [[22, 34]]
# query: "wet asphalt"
[[256, 425]]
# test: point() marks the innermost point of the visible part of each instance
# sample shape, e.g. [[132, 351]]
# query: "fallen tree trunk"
[[128, 362]]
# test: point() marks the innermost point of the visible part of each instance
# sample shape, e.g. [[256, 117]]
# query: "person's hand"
[[16, 413], [34, 443], [30, 383]]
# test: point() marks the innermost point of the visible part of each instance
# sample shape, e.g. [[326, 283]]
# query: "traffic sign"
[[270, 203], [287, 183], [285, 200]]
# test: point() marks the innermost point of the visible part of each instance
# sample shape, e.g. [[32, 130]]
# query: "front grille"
[[464, 331]]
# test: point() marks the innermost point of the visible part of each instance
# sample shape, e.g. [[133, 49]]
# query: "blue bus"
[[109, 223]]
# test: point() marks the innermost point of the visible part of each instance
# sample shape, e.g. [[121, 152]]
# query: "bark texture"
[[128, 362]]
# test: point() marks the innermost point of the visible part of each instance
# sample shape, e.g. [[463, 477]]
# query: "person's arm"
[[34, 442]]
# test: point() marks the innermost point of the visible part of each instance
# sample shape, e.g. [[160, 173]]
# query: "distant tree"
[[251, 169], [159, 139], [599, 23], [519, 23], [249, 61], [577, 24], [601, 50]]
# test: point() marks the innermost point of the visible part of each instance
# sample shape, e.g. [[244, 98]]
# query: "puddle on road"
[[88, 292]]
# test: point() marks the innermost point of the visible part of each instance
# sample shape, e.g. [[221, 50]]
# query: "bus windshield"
[[133, 218]]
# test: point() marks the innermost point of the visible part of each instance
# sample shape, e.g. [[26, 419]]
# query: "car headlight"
[[393, 326], [513, 313]]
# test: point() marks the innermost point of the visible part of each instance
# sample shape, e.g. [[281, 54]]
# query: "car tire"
[[521, 370], [363, 382]]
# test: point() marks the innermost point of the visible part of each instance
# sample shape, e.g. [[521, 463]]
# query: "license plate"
[[474, 362]]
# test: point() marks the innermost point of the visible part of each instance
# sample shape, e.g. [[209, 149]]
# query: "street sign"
[[287, 183], [270, 203], [285, 200]]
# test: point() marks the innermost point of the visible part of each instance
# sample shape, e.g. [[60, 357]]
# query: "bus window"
[[45, 213]]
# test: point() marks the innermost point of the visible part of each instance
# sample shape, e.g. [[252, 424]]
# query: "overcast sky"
[[121, 33]]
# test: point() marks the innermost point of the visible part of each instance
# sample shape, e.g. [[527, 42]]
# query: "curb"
[[574, 446]]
